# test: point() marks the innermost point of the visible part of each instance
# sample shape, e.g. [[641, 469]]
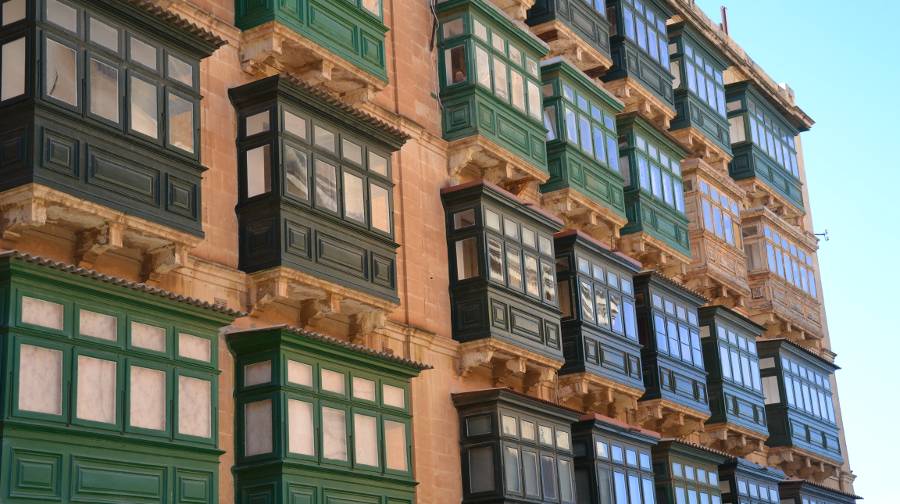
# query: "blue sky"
[[841, 59]]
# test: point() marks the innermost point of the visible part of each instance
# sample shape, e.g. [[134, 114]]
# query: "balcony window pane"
[[378, 164], [324, 138], [602, 306], [332, 381], [104, 35], [62, 15], [294, 125], [258, 373], [482, 67], [363, 389], [481, 469], [259, 174], [148, 398], [531, 276], [61, 73], [511, 470], [354, 200], [467, 258], [104, 90], [514, 268], [464, 219], [40, 379], [455, 59], [395, 446], [495, 259], [258, 428], [326, 185], [180, 70], [548, 278], [12, 56], [144, 108], [148, 337], [373, 6], [194, 407], [257, 123], [365, 440], [296, 172], [43, 313], [566, 481], [380, 208], [301, 431], [620, 487], [334, 439], [531, 473], [501, 89], [97, 325], [13, 10], [193, 347], [615, 312], [587, 305], [96, 398], [299, 373], [181, 123], [143, 53], [549, 478], [518, 90], [535, 102]]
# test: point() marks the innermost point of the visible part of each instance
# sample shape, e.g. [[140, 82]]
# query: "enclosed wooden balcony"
[[576, 31]]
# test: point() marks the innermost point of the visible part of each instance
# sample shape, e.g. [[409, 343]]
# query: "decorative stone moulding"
[[761, 195], [273, 48], [670, 419], [564, 42], [733, 439], [509, 365], [802, 464], [580, 212], [302, 300], [699, 146], [655, 254], [594, 393], [34, 210], [638, 98], [479, 158], [516, 9]]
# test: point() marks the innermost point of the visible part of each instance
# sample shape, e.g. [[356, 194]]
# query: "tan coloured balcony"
[[638, 98], [669, 418], [564, 42], [733, 439], [91, 233], [289, 296], [802, 464], [479, 158], [718, 269], [585, 214], [509, 365], [590, 392]]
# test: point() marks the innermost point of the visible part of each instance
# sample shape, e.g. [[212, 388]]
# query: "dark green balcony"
[[490, 90], [742, 481], [515, 449], [800, 409], [701, 121], [763, 144], [109, 382], [613, 461], [101, 104], [320, 420], [686, 473], [654, 194], [582, 150], [735, 389], [575, 29], [805, 492]]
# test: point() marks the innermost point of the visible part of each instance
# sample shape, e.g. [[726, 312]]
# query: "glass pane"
[[395, 446], [363, 389], [332, 381], [527, 430], [299, 373], [324, 138], [334, 438], [180, 70], [97, 325], [548, 478], [354, 202], [514, 268], [258, 427], [148, 337], [62, 15], [13, 10], [531, 276], [148, 398], [181, 123], [378, 164], [301, 430], [12, 56], [351, 151], [482, 67], [257, 373], [326, 185], [42, 313], [481, 469], [365, 440], [144, 109], [105, 91], [380, 208], [194, 407], [518, 90], [104, 35], [259, 175], [296, 172], [373, 6], [501, 89], [40, 379], [393, 396], [256, 123], [143, 53], [61, 73], [530, 471], [511, 475], [193, 347], [467, 258], [295, 124], [455, 59], [96, 398]]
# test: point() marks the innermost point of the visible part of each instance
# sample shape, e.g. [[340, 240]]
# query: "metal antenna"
[[823, 235]]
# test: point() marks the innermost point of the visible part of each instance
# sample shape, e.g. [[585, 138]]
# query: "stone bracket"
[[802, 465], [669, 419], [589, 392], [93, 243], [507, 365], [516, 9], [163, 260]]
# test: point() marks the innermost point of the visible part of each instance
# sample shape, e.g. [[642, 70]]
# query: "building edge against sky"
[[385, 251]]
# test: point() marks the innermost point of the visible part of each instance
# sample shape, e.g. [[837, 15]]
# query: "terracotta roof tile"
[[178, 22]]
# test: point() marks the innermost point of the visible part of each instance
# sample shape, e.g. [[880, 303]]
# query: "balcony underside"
[[516, 9], [670, 419], [585, 214], [638, 98], [799, 463], [733, 439], [91, 233], [508, 365], [655, 254], [273, 48], [563, 41], [478, 158], [760, 195], [700, 146], [289, 296], [718, 271], [594, 393], [784, 311]]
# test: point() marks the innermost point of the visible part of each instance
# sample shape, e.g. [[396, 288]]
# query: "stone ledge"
[[476, 157], [596, 394], [581, 212], [509, 365], [638, 99]]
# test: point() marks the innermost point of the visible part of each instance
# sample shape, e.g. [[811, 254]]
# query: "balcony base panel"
[[596, 394], [510, 366], [478, 158], [564, 42], [670, 419], [585, 214], [638, 99]]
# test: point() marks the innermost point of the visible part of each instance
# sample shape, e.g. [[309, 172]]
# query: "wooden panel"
[[297, 239], [193, 487], [35, 475], [298, 494], [110, 172], [106, 481], [338, 30], [60, 153], [340, 255]]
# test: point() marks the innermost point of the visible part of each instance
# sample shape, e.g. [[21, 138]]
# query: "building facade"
[[405, 251]]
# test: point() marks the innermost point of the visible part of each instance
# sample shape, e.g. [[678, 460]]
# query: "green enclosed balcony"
[[577, 30], [806, 492], [765, 153], [315, 206], [111, 388], [687, 473], [336, 44], [743, 482], [701, 124], [640, 50], [491, 96], [657, 229], [320, 420], [804, 438], [101, 137], [585, 186]]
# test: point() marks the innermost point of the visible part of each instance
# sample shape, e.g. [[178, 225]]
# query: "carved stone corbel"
[[534, 380], [93, 243], [472, 359], [364, 324], [311, 310]]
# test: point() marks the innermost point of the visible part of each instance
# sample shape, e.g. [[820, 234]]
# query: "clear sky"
[[843, 62]]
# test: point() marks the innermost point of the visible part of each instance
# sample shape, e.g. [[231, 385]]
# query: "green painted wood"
[[670, 459], [343, 27], [802, 492], [741, 473]]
